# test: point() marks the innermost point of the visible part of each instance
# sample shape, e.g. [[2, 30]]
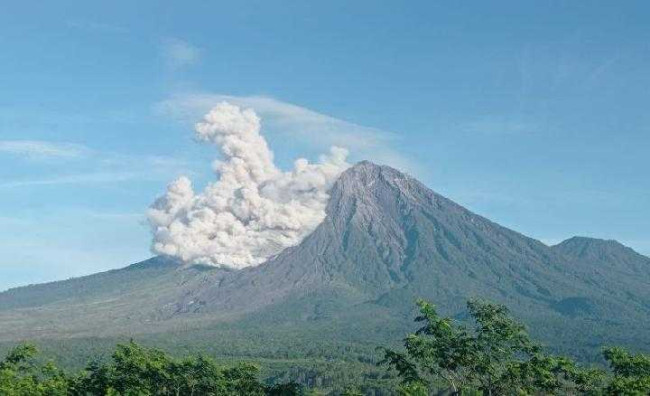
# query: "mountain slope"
[[611, 267], [386, 240], [105, 284], [605, 255]]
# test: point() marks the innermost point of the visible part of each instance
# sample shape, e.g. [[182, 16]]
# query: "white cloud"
[[310, 128], [178, 53], [39, 149]]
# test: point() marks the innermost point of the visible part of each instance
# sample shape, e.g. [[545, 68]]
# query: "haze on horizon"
[[530, 114]]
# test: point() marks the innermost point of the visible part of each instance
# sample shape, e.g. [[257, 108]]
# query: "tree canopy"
[[492, 355], [133, 370], [498, 357]]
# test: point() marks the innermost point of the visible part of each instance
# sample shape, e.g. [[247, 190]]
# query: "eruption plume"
[[254, 210]]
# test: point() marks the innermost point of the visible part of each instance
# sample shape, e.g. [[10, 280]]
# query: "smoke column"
[[254, 210]]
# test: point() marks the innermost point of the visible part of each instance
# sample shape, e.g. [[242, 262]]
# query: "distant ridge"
[[604, 251]]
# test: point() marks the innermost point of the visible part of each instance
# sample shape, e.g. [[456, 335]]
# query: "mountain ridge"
[[386, 240]]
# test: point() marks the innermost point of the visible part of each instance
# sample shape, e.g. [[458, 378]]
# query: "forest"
[[491, 354]]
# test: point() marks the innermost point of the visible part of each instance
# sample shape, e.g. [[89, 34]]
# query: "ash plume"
[[253, 210]]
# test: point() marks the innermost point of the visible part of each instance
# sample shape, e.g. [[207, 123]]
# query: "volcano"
[[386, 241]]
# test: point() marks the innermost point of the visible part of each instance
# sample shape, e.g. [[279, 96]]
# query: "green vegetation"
[[498, 357], [631, 372], [493, 356], [133, 370]]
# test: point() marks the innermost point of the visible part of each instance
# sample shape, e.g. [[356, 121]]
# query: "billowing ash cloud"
[[254, 210]]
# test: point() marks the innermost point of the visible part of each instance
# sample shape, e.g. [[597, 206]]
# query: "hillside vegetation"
[[495, 357]]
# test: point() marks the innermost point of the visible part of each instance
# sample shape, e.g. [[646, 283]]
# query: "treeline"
[[132, 370], [493, 356], [497, 357]]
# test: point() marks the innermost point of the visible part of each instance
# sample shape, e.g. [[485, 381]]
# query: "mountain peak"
[[366, 174], [589, 242], [366, 167], [366, 164], [601, 252]]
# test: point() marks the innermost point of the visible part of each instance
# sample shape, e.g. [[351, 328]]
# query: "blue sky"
[[531, 113]]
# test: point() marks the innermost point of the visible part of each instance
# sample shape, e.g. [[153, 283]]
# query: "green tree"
[[439, 349], [136, 370], [288, 389], [21, 374], [631, 372], [496, 357], [351, 391], [494, 348]]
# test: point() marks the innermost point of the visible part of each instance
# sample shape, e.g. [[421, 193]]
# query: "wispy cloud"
[[39, 149], [64, 214], [306, 126], [179, 53], [90, 166], [81, 178]]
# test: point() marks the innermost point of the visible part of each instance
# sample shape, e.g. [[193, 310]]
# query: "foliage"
[[631, 372], [21, 374], [496, 357], [133, 370]]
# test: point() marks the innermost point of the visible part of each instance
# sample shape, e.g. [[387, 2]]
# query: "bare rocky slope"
[[387, 240]]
